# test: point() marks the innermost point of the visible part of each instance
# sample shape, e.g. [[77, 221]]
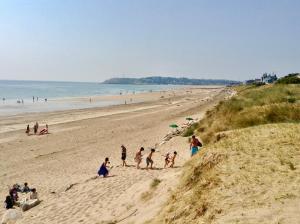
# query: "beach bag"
[[199, 144]]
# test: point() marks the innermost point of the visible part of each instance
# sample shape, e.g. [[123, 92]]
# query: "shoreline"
[[71, 154], [140, 100], [10, 108]]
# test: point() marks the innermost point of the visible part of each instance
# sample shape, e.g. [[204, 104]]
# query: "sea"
[[18, 97]]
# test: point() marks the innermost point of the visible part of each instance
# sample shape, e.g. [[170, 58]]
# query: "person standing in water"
[[123, 155]]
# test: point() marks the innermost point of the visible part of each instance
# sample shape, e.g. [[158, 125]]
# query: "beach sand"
[[63, 165]]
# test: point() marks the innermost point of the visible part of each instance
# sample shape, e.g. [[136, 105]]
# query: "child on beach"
[[33, 194], [149, 160], [26, 188], [167, 159], [103, 169], [138, 157], [173, 159], [123, 155]]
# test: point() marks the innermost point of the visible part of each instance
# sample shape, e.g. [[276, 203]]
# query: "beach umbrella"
[[189, 119], [11, 216], [173, 126]]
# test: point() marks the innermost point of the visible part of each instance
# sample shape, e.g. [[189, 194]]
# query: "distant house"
[[268, 78]]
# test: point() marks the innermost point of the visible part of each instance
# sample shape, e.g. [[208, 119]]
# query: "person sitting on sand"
[[194, 145], [149, 160], [13, 192], [33, 194], [44, 131], [26, 189], [8, 203], [173, 159], [123, 155], [138, 157], [167, 159], [103, 169], [27, 130]]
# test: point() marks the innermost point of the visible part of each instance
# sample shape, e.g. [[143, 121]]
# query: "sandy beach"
[[63, 164]]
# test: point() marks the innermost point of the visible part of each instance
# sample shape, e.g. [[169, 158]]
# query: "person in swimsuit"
[[149, 160], [103, 169], [138, 157], [194, 145], [44, 130], [123, 155], [173, 159], [167, 159]]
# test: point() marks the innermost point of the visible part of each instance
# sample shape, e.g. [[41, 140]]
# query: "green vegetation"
[[146, 196], [253, 142], [158, 80], [252, 106], [290, 79], [155, 183], [190, 130], [251, 168]]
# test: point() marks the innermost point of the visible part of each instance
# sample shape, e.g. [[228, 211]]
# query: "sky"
[[93, 40]]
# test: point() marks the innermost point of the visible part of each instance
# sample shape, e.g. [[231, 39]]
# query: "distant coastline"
[[158, 80]]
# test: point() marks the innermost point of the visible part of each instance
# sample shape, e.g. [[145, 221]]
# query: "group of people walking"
[[169, 159]]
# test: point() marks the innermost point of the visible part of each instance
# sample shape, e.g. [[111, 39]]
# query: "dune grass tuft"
[[252, 106]]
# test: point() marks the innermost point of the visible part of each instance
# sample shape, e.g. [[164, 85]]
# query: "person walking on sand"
[[104, 168], [123, 155], [194, 145], [138, 157], [27, 130], [149, 160], [173, 159], [167, 159]]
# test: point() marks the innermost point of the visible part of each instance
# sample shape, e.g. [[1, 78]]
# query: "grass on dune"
[[252, 106], [253, 143], [235, 175]]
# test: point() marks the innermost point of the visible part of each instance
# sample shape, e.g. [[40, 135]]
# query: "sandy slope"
[[72, 153], [251, 176]]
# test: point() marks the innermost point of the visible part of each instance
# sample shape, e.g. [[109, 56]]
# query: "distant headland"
[[158, 80]]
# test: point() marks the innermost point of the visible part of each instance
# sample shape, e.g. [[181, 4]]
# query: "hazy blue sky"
[[94, 40]]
